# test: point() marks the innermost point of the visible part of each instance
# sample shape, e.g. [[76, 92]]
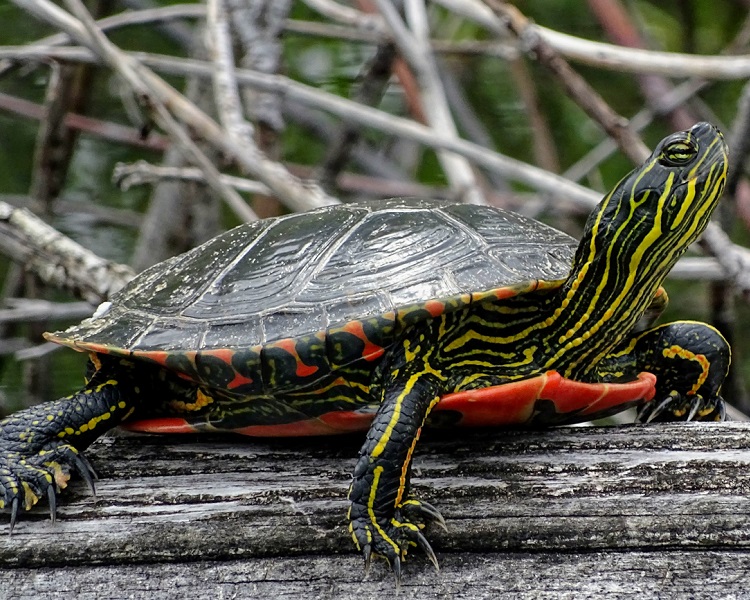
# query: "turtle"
[[388, 316]]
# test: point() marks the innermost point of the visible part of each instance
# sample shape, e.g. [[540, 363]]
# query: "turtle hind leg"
[[690, 360], [40, 446]]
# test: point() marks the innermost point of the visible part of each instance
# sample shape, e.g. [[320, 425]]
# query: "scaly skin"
[[41, 446]]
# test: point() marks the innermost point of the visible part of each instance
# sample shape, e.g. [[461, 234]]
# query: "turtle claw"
[[421, 512], [396, 566], [52, 501], [13, 514], [367, 552], [392, 537], [427, 549], [655, 411], [678, 407], [86, 471], [432, 514], [26, 476], [696, 404]]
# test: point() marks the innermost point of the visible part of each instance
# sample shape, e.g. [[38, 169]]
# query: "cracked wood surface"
[[659, 511]]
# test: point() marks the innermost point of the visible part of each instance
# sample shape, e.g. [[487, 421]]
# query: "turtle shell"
[[302, 276]]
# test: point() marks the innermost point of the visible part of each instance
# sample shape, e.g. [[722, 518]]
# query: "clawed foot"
[[683, 407], [25, 478], [392, 538]]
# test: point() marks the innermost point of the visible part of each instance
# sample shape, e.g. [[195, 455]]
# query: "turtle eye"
[[678, 153]]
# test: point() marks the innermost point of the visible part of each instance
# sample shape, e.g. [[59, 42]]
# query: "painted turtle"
[[382, 316]]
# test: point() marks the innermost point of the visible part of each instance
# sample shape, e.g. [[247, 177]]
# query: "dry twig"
[[158, 95], [413, 44], [56, 259]]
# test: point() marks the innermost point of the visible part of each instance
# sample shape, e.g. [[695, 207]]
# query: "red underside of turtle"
[[503, 405]]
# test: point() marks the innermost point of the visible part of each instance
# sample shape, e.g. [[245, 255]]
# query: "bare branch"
[[226, 94], [734, 260], [574, 85], [511, 168], [158, 94], [739, 141], [348, 16], [368, 28], [96, 127], [638, 122], [26, 309], [56, 259], [259, 25], [609, 56], [141, 173], [127, 68], [414, 46], [92, 213], [374, 82], [125, 19]]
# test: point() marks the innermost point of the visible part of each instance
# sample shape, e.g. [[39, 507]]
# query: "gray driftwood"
[[634, 512]]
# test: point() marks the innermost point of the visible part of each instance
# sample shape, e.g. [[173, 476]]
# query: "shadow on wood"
[[636, 511]]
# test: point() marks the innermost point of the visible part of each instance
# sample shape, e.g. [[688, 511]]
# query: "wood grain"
[[636, 511]]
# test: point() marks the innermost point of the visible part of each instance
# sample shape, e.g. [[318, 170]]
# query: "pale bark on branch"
[[56, 259]]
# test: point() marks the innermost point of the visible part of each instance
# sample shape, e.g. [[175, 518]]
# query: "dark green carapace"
[[388, 316]]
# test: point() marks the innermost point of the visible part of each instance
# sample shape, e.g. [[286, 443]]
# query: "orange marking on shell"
[[504, 293], [158, 357], [513, 290], [238, 381], [225, 355], [95, 360], [434, 307], [304, 370], [290, 347], [371, 351]]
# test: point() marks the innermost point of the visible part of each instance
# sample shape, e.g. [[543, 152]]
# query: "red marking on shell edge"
[[85, 346], [371, 351], [290, 347], [513, 403], [434, 307], [238, 381], [225, 355], [304, 370], [158, 357], [503, 293], [165, 425]]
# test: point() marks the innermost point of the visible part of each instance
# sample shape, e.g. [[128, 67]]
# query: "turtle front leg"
[[385, 519], [40, 446], [690, 361]]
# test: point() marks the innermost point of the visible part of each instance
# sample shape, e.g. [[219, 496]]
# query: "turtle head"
[[631, 241], [641, 228]]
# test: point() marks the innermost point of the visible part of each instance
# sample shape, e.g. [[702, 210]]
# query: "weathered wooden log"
[[637, 511]]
